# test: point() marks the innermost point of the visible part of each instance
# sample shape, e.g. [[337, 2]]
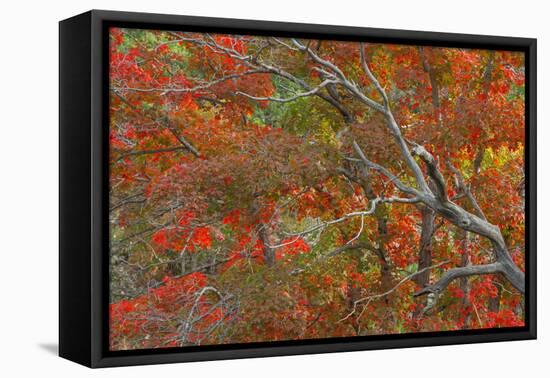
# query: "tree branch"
[[126, 154], [176, 135], [199, 87], [433, 171], [454, 273], [292, 98], [461, 184], [371, 76], [388, 292], [393, 178], [352, 87]]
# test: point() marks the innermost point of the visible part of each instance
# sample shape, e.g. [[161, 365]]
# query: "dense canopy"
[[266, 189]]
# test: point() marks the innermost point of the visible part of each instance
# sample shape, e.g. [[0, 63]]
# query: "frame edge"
[[75, 336]]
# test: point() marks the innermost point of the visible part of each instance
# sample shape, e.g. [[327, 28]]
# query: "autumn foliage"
[[234, 182]]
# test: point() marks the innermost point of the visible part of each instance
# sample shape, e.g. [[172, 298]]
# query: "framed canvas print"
[[234, 188]]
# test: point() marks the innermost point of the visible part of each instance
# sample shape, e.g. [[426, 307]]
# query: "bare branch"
[[292, 98], [128, 200], [371, 77], [256, 65], [465, 189], [165, 124], [358, 232], [279, 41], [433, 171], [388, 292], [335, 252], [196, 88], [454, 273], [188, 323], [346, 217], [348, 117], [393, 178], [352, 87]]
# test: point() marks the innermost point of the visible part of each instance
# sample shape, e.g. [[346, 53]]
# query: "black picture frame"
[[83, 196]]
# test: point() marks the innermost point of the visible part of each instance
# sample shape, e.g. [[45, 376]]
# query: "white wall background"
[[29, 187]]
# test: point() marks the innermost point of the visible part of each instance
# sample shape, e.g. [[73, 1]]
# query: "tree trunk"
[[494, 303], [464, 281], [263, 235], [269, 253]]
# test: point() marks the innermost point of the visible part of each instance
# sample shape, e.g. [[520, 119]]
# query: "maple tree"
[[267, 188]]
